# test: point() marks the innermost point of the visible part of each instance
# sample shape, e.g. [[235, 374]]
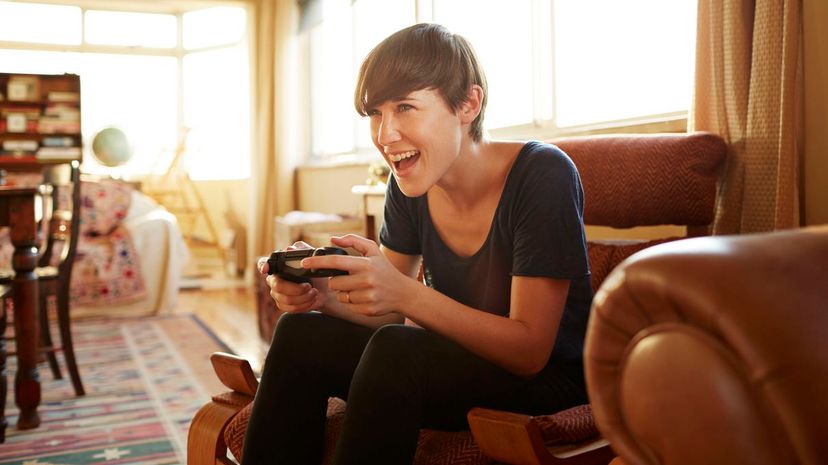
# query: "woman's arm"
[[380, 283], [520, 343]]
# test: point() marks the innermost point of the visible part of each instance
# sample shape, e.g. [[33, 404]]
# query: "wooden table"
[[17, 210], [373, 204]]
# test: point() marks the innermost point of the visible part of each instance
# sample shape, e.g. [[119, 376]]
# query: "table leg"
[[26, 296], [3, 383]]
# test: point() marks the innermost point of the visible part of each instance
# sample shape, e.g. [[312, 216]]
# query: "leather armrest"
[[712, 350]]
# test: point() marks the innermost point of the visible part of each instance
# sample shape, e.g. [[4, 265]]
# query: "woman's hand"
[[373, 286], [289, 296]]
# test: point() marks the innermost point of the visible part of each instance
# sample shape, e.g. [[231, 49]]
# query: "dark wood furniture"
[[56, 259], [55, 270], [39, 118], [5, 291], [17, 209]]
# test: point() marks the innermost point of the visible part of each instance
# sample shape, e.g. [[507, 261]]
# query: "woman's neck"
[[479, 169]]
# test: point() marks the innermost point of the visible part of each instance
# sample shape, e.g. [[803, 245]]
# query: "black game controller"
[[287, 264]]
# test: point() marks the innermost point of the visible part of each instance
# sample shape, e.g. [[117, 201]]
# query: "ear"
[[471, 107]]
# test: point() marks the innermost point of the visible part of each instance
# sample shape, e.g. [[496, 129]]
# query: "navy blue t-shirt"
[[537, 230]]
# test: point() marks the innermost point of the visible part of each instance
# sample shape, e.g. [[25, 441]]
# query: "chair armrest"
[[712, 350], [507, 437], [235, 373], [518, 439]]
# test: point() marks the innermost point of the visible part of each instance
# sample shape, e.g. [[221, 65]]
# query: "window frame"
[[539, 129], [177, 9]]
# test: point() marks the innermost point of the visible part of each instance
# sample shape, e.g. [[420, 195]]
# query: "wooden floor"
[[229, 310]]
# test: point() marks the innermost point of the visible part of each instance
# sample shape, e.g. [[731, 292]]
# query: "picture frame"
[[23, 88], [16, 122]]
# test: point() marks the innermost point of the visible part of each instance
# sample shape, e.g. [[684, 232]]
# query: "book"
[[58, 141], [20, 145], [58, 153], [57, 96]]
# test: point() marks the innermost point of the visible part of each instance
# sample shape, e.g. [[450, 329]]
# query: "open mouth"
[[404, 160]]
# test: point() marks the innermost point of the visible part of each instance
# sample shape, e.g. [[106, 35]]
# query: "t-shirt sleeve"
[[548, 219], [399, 231]]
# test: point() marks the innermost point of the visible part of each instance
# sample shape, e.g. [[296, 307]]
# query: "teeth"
[[402, 156]]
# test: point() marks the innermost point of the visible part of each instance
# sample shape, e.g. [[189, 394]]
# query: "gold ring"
[[348, 296]]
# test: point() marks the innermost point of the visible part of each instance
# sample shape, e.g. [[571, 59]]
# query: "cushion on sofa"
[[104, 205], [604, 256]]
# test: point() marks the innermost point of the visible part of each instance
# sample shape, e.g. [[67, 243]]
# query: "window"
[[191, 72], [337, 46], [553, 66]]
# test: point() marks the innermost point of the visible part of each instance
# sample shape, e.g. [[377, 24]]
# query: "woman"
[[498, 228]]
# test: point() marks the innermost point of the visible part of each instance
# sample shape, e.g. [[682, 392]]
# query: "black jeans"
[[396, 380]]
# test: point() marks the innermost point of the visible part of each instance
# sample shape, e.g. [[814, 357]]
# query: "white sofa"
[[161, 256]]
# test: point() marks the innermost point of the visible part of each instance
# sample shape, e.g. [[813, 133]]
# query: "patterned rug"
[[144, 379]]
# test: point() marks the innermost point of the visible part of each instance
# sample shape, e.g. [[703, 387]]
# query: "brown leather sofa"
[[628, 180], [715, 351]]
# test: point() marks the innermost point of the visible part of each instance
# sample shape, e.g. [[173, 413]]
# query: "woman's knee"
[[291, 330], [394, 349]]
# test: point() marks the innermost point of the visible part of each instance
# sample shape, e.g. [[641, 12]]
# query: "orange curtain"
[[274, 158], [748, 89]]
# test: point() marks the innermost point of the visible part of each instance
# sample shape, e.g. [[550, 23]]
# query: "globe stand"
[[176, 191]]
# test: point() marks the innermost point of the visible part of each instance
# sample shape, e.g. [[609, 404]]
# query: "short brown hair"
[[423, 56]]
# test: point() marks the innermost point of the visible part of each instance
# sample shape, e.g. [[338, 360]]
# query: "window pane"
[[501, 34], [123, 28], [47, 24], [217, 111], [374, 21], [332, 80], [137, 94], [214, 26], [617, 60]]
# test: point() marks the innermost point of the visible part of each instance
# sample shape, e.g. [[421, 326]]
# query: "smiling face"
[[419, 137]]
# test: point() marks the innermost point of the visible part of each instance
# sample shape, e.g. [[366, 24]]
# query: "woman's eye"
[[372, 113], [405, 107]]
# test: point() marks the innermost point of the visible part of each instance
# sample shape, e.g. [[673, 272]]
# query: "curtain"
[[274, 158], [748, 89]]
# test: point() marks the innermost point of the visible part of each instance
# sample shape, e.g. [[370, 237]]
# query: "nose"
[[387, 133]]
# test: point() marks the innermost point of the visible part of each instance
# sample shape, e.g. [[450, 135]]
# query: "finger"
[[336, 262], [345, 282], [262, 265], [289, 288], [295, 302], [364, 246], [346, 297], [299, 245]]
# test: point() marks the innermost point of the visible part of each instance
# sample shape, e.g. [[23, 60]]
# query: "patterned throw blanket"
[[107, 269]]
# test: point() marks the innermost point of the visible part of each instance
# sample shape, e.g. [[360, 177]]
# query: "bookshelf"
[[39, 119]]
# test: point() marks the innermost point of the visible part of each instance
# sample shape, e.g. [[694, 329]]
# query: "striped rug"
[[144, 380]]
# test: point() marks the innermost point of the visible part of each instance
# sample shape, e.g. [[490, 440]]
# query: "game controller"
[[287, 264]]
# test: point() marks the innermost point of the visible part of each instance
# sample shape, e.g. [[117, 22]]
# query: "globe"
[[111, 147]]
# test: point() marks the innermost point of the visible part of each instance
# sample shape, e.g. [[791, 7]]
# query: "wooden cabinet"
[[40, 119]]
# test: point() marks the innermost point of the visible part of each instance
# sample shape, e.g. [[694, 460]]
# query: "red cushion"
[[605, 256], [437, 447], [639, 180]]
